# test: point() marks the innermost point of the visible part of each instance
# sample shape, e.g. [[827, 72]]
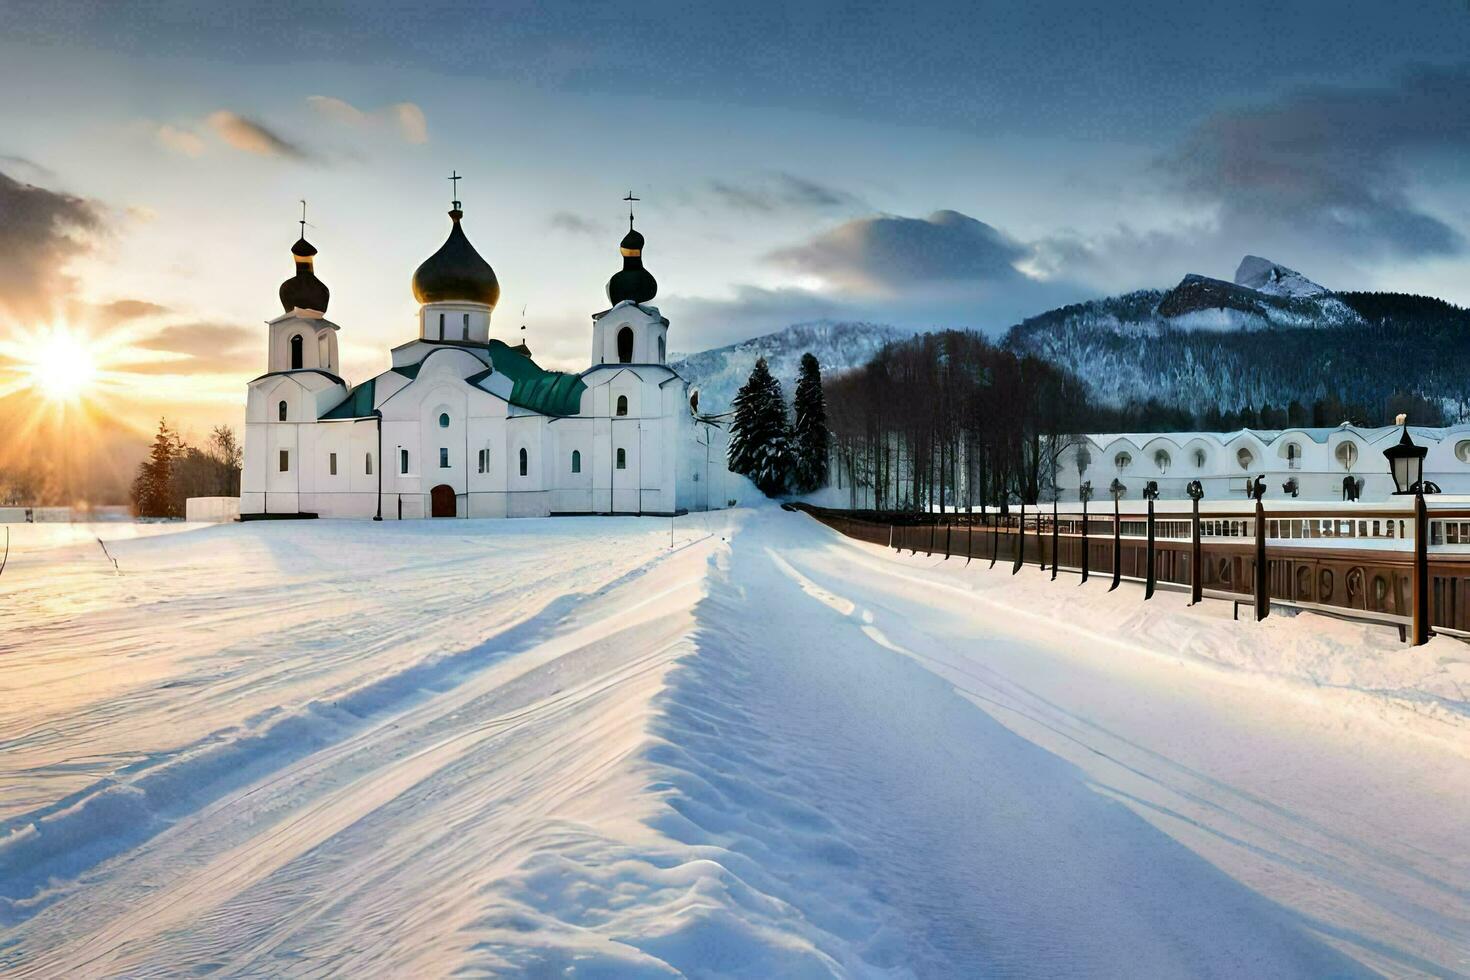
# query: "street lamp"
[[1406, 463]]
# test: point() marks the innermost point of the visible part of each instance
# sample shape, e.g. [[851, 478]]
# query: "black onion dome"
[[456, 272], [634, 282], [304, 290]]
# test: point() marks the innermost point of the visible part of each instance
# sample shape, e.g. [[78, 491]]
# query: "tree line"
[[174, 471], [779, 453]]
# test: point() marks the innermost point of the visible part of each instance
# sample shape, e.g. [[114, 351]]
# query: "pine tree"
[[809, 435], [760, 439], [151, 488]]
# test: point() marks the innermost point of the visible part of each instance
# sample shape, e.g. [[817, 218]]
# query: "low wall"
[[212, 510]]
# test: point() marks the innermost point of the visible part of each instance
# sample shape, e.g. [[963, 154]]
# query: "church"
[[465, 425]]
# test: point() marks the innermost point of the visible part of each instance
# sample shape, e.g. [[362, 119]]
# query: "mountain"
[[719, 373], [1212, 344], [1266, 276]]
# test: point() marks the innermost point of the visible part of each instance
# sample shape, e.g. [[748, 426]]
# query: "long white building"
[[464, 425], [1318, 459]]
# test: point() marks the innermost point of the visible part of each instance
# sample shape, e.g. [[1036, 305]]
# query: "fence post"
[[1117, 546], [1085, 548], [1150, 569], [1196, 573], [1054, 536], [948, 533], [994, 538], [1263, 594], [1020, 539], [1040, 541], [1421, 571]]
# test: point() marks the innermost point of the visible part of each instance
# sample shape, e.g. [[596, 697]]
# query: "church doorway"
[[441, 501]]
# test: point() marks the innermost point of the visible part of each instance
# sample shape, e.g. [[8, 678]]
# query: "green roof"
[[357, 405], [532, 388]]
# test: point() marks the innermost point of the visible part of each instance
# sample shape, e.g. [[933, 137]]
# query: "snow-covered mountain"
[[1266, 276], [719, 373], [1211, 343]]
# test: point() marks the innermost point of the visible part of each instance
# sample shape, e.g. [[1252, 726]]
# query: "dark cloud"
[[40, 232], [251, 136], [890, 253], [200, 348], [780, 192], [1328, 165], [575, 224]]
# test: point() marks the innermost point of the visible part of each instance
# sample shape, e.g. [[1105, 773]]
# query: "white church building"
[[464, 425]]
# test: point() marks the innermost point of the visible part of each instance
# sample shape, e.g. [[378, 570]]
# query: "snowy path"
[[552, 746]]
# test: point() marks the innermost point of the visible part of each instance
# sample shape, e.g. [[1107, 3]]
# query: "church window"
[[1347, 454], [1199, 459], [1122, 461], [443, 420], [296, 361], [661, 354], [1293, 456], [576, 461], [281, 411], [1162, 461], [622, 459], [441, 326], [466, 326], [403, 460], [525, 463], [625, 345], [443, 458], [622, 404], [332, 464], [1245, 458], [368, 468], [484, 458], [285, 460]]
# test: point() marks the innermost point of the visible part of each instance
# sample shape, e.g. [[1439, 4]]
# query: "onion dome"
[[304, 290], [456, 272], [634, 282]]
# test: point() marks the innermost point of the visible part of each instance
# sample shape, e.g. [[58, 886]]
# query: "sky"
[[928, 165]]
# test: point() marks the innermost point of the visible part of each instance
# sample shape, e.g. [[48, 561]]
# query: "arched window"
[[1122, 461], [281, 411], [443, 420], [1244, 457], [441, 326], [622, 459], [403, 460], [1162, 461], [368, 464], [1462, 450], [525, 463], [622, 405], [1347, 454], [323, 352], [466, 327], [296, 352], [1199, 459], [661, 354], [1293, 456], [625, 345], [576, 461]]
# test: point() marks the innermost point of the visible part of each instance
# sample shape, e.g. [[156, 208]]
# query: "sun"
[[61, 366]]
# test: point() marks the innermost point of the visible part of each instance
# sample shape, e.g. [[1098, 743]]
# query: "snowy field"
[[748, 747]]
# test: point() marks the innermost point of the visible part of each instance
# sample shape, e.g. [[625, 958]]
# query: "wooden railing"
[[1395, 563]]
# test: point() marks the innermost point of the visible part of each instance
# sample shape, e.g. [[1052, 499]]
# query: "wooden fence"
[[1399, 564]]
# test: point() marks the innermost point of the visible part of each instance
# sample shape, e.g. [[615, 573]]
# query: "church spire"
[[304, 291], [634, 283]]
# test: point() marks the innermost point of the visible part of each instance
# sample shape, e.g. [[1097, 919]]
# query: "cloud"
[[780, 191], [184, 141], [886, 254], [1329, 165], [250, 136], [199, 348], [406, 118], [41, 232], [121, 310], [575, 224], [25, 163]]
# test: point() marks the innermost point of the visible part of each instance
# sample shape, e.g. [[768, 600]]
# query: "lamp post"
[[1084, 494], [1150, 493], [1406, 465], [1196, 490]]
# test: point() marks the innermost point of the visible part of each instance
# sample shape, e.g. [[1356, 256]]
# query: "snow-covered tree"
[[760, 438], [809, 435]]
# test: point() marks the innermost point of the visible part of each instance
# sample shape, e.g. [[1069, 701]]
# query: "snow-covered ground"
[[737, 745]]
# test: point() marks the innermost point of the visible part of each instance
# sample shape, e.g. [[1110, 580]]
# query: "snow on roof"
[[1318, 435]]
